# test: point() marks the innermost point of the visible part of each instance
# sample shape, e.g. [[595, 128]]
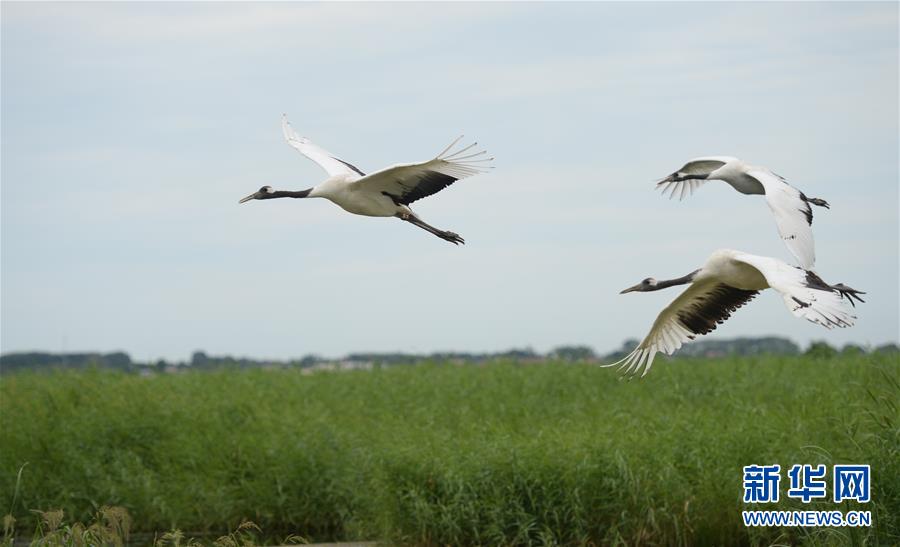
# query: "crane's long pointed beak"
[[631, 289], [248, 198]]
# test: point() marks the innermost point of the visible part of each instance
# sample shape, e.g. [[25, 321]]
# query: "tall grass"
[[443, 454]]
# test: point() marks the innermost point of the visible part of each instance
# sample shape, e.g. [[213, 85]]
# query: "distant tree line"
[[772, 345], [11, 362]]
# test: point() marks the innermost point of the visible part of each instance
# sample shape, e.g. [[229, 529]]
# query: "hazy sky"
[[130, 131]]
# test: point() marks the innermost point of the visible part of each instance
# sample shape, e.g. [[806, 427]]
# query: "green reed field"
[[504, 453]]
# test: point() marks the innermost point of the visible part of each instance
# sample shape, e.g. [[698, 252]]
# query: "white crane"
[[385, 193], [728, 280], [791, 207]]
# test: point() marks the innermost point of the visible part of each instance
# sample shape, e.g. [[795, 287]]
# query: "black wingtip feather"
[[430, 183], [714, 308]]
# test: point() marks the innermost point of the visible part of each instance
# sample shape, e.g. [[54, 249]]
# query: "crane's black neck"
[[698, 176], [665, 283], [286, 194]]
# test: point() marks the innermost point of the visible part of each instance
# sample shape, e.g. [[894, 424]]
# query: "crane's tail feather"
[[683, 188], [460, 151], [468, 156], [465, 161], [451, 145], [631, 364]]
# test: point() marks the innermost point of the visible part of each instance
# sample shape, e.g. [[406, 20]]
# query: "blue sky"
[[129, 132]]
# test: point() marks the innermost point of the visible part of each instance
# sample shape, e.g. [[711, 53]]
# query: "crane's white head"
[[648, 284], [263, 193]]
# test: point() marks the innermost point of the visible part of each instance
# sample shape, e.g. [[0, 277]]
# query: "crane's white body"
[[790, 207], [726, 281], [339, 190], [726, 266]]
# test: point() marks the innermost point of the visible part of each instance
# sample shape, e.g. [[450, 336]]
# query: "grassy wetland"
[[439, 454]]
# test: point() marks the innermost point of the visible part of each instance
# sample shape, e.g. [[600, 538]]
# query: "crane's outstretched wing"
[[696, 311], [682, 184], [805, 294], [326, 160], [408, 182], [793, 215]]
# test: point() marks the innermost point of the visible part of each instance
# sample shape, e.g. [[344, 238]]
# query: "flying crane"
[[728, 280], [791, 207], [384, 193]]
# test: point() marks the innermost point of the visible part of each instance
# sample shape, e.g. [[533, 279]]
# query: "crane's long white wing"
[[793, 215], [804, 293], [326, 160], [696, 311], [408, 182]]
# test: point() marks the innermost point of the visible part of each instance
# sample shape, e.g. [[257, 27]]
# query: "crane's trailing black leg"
[[819, 202], [848, 293], [813, 281], [445, 235]]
